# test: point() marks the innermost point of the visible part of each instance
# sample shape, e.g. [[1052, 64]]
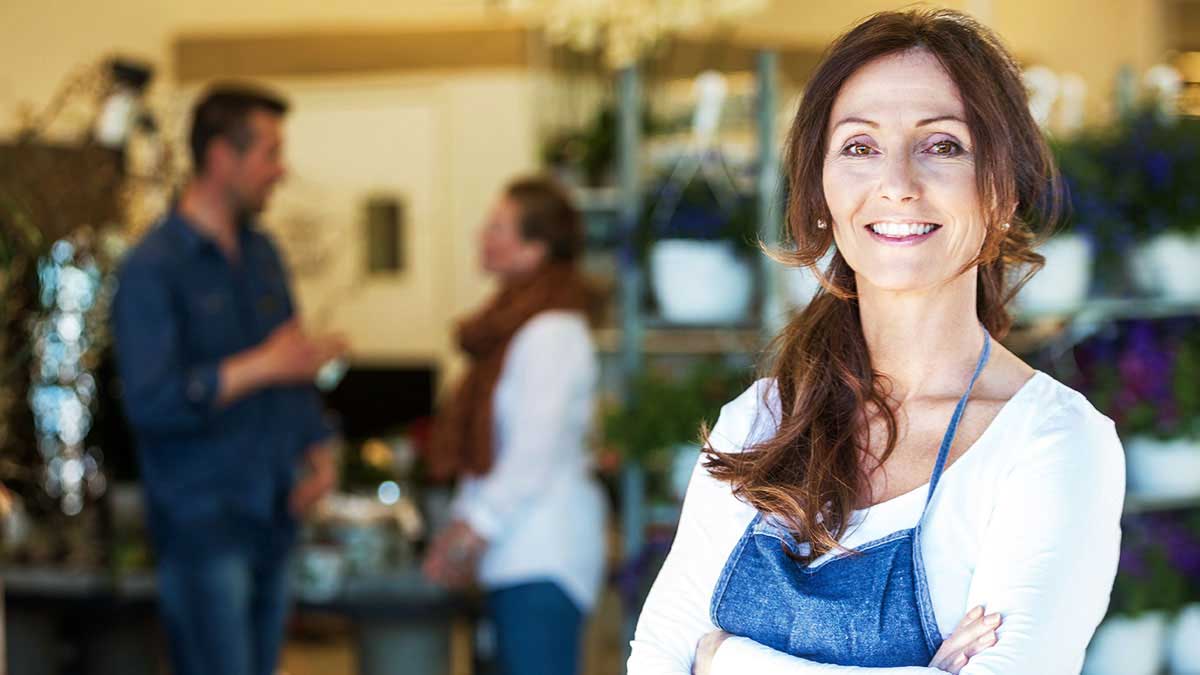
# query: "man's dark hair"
[[224, 112]]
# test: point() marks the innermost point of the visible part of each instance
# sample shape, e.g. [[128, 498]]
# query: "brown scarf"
[[462, 436]]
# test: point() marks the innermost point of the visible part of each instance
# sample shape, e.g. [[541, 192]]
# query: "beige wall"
[[419, 137], [415, 137]]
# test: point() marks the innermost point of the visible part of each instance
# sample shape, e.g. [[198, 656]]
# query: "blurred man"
[[217, 379]]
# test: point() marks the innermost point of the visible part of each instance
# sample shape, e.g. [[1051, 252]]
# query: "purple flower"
[[1132, 564], [1145, 367], [1158, 168], [1179, 543]]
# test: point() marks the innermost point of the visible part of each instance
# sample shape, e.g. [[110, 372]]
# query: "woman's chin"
[[901, 282]]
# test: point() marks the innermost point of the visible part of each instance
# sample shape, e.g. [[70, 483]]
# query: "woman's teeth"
[[902, 229]]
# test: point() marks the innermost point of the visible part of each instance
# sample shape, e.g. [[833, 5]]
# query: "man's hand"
[[287, 356], [321, 478]]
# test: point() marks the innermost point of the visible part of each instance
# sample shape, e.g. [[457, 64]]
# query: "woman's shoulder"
[[552, 329], [1063, 427], [1059, 405]]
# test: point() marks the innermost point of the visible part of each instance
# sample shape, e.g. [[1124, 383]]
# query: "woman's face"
[[899, 175], [504, 251]]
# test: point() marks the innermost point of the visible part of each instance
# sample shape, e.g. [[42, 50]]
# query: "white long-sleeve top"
[[1025, 523], [538, 507]]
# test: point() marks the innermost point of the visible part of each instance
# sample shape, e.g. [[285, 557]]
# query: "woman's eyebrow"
[[941, 118], [921, 123], [856, 120]]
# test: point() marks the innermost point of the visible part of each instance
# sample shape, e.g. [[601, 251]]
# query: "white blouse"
[[540, 510], [1025, 523]]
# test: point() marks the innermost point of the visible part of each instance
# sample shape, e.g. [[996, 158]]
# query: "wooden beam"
[[308, 53], [503, 44]]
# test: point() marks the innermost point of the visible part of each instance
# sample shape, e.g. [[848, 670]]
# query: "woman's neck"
[[927, 342]]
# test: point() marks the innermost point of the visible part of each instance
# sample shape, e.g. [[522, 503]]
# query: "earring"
[[1004, 226], [821, 224]]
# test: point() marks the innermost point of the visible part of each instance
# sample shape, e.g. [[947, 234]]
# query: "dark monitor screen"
[[377, 400]]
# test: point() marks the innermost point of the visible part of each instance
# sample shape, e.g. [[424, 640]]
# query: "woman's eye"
[[857, 150], [945, 148]]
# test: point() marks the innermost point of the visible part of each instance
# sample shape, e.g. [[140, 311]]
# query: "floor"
[[327, 649]]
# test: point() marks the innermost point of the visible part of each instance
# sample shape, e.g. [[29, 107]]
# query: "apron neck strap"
[[948, 438]]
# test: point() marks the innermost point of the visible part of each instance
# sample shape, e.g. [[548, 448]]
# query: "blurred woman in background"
[[529, 519]]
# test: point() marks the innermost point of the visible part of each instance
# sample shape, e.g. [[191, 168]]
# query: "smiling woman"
[[900, 491]]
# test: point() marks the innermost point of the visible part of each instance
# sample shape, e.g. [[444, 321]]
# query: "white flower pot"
[[1163, 469], [1128, 646], [1183, 642], [700, 282], [801, 284], [1166, 266], [1063, 282]]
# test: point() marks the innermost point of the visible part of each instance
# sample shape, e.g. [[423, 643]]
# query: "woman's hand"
[[975, 633], [706, 649], [454, 555]]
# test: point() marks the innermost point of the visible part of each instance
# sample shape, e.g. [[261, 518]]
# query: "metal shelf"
[[1136, 504], [597, 200], [1100, 310], [1063, 329], [664, 340]]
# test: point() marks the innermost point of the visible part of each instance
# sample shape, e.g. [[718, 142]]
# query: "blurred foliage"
[[592, 150], [1144, 376], [664, 410], [1160, 563]]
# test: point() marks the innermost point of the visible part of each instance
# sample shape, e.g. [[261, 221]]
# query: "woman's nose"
[[898, 182]]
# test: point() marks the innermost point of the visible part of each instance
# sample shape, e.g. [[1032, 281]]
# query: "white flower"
[[627, 29]]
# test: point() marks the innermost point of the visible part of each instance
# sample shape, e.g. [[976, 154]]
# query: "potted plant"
[[1064, 282], [1161, 166], [1179, 533], [1145, 379], [1132, 186], [1147, 592], [698, 241], [657, 427]]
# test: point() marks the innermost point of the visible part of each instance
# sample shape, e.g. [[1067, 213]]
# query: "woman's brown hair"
[[548, 216], [810, 474]]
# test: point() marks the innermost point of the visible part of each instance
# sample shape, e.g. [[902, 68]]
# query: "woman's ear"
[[537, 252]]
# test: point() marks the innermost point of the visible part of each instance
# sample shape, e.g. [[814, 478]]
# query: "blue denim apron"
[[869, 610]]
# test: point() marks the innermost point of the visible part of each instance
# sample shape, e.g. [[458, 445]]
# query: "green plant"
[[1145, 377], [592, 149], [1159, 566], [1134, 179], [664, 410]]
